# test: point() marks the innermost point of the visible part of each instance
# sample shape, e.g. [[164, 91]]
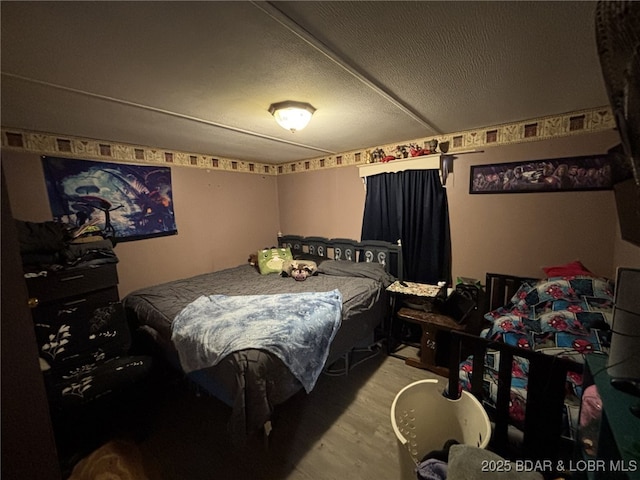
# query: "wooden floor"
[[341, 430]]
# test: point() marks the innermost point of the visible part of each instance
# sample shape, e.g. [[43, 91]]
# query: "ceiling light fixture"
[[292, 116]]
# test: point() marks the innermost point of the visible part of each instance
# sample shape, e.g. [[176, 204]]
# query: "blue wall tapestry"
[[127, 202]]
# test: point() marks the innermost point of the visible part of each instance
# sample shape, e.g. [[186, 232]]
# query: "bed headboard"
[[500, 288], [387, 254]]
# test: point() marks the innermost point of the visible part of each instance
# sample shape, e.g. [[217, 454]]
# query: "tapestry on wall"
[[126, 202]]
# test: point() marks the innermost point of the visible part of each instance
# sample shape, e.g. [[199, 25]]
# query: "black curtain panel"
[[411, 206]]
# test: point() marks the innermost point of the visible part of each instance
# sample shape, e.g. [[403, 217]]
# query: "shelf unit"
[[423, 162]]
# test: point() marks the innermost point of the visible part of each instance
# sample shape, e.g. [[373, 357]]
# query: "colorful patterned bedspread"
[[563, 316]]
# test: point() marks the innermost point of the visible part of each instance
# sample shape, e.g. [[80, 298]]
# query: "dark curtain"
[[411, 206]]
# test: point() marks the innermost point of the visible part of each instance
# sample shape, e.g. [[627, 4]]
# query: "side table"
[[434, 341], [400, 293]]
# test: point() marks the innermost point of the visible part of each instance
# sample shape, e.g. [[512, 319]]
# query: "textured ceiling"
[[200, 76]]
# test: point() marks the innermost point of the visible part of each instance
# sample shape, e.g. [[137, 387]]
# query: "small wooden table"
[[434, 341]]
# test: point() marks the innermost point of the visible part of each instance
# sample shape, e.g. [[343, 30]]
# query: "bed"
[[526, 367], [256, 374]]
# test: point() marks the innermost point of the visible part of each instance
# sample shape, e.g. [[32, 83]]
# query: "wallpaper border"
[[543, 128]]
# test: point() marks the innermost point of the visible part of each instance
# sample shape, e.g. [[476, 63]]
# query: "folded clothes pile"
[[54, 246]]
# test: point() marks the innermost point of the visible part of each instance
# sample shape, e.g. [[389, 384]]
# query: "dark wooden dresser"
[[71, 298], [84, 287], [95, 385]]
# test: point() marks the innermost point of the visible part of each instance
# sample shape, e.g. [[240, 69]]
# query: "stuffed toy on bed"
[[253, 261], [299, 269]]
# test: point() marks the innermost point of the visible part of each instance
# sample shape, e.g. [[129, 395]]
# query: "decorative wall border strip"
[[544, 128], [66, 146]]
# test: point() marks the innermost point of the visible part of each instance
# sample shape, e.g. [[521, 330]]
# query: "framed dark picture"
[[127, 202], [554, 175]]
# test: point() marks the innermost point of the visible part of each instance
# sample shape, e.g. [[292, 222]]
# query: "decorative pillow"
[[567, 270], [270, 260]]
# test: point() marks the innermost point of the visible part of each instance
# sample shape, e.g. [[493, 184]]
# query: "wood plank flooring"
[[341, 430]]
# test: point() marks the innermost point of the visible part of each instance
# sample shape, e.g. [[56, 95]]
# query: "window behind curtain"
[[411, 206]]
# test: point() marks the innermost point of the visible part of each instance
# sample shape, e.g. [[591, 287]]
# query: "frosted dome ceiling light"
[[292, 116]]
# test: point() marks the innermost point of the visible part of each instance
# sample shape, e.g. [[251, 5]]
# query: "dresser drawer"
[[70, 283], [73, 309], [79, 330]]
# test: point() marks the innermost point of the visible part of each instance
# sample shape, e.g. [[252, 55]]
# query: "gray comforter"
[[253, 381]]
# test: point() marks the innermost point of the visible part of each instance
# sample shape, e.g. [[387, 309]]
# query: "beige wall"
[[221, 218], [504, 233], [328, 203], [520, 233]]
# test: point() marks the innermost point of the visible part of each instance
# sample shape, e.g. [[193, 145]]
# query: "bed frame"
[[500, 288], [219, 380], [385, 253], [542, 436]]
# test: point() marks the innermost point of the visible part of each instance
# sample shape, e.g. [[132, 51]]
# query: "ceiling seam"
[[283, 19], [164, 112]]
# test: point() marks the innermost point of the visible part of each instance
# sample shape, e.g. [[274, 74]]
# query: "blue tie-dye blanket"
[[297, 327]]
